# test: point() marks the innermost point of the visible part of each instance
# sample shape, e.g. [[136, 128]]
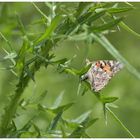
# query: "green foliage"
[[90, 20], [49, 30], [108, 99], [106, 26], [80, 130]]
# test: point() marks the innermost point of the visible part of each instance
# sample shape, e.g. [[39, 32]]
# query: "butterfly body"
[[101, 72]]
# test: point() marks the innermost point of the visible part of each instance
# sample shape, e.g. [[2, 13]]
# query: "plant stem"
[[127, 28], [98, 95], [7, 41], [40, 11], [118, 120], [11, 108]]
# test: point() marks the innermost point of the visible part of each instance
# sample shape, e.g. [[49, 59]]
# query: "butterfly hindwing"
[[101, 72]]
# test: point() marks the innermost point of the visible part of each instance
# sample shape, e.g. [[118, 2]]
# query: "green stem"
[[11, 108], [127, 28], [40, 11], [118, 120], [7, 41], [98, 95]]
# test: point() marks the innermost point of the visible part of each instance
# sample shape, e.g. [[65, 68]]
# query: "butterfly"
[[100, 73]]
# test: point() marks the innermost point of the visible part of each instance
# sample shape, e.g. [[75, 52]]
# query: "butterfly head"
[[84, 77]]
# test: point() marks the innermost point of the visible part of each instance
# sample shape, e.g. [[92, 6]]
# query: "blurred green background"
[[124, 85]]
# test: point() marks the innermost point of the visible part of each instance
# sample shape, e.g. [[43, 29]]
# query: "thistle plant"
[[87, 22]]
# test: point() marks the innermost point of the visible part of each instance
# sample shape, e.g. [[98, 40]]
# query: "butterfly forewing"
[[101, 72]]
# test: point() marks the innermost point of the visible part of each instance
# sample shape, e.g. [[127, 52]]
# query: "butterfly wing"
[[115, 66], [101, 72]]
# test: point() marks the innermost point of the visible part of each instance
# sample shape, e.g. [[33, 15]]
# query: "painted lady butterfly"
[[101, 72]]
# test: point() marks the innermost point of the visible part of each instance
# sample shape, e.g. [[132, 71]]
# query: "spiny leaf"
[[21, 26], [79, 88], [77, 133], [24, 129], [60, 61], [69, 27], [55, 110], [82, 88], [80, 130], [49, 30], [108, 99], [84, 70], [90, 122], [71, 71], [41, 97], [69, 123], [55, 121], [114, 10], [63, 107], [119, 10], [58, 100], [98, 6], [77, 72], [82, 8], [29, 73], [33, 101], [105, 26], [82, 117], [95, 16], [20, 60], [90, 17], [82, 123]]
